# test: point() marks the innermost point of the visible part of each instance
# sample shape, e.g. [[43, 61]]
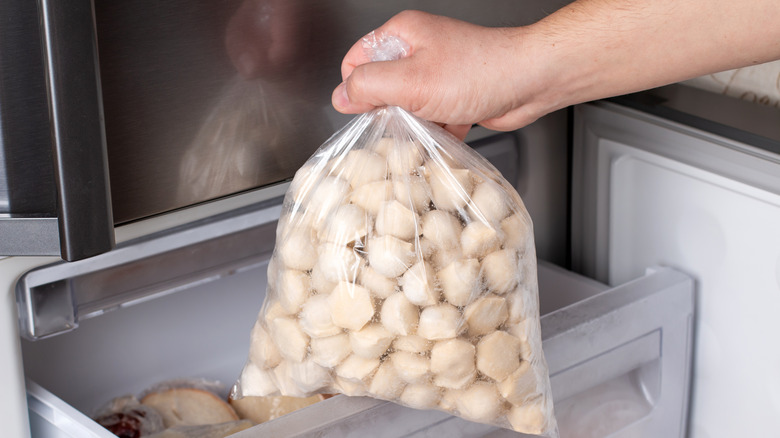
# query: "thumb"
[[376, 84]]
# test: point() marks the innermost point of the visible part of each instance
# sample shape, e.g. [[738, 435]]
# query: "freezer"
[[655, 216], [617, 328], [626, 346]]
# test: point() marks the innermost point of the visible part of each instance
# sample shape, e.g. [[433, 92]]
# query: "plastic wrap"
[[126, 417], [404, 269], [192, 407]]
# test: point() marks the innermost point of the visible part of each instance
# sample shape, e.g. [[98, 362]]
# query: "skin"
[[458, 74]]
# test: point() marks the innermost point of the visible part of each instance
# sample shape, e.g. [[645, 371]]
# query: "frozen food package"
[[189, 402], [126, 417], [405, 270]]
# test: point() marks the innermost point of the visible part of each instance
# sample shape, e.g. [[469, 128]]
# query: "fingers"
[[445, 78], [340, 99], [366, 84], [357, 55], [377, 84], [399, 26], [519, 117], [350, 96], [459, 131]]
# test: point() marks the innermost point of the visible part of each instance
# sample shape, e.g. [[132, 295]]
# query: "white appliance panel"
[[726, 235], [650, 191]]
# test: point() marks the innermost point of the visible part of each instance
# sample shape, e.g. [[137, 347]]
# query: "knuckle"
[[412, 18], [356, 83]]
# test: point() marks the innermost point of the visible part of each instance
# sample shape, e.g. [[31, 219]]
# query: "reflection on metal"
[[244, 142], [206, 99], [26, 170]]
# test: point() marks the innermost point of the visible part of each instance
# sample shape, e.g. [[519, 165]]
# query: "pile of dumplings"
[[402, 273]]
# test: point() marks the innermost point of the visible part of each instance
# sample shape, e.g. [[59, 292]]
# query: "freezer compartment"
[[618, 359], [625, 347]]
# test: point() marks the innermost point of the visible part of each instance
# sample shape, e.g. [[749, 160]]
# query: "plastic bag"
[[126, 417], [405, 270]]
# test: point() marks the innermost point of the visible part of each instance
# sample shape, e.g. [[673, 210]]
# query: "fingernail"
[[340, 97]]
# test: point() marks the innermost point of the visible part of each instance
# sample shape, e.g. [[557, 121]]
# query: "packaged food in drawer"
[[192, 408]]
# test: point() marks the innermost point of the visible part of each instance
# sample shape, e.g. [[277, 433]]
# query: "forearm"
[[601, 48], [505, 78]]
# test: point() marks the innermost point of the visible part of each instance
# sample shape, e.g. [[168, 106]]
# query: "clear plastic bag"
[[126, 417], [405, 270]]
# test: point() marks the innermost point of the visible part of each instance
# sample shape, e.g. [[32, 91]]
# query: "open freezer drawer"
[[619, 357], [619, 360]]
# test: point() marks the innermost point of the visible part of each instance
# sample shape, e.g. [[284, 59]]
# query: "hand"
[[456, 74], [505, 78]]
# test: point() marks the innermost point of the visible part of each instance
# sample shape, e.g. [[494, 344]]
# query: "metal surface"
[[29, 236], [26, 172], [199, 100], [204, 99], [84, 207], [736, 119]]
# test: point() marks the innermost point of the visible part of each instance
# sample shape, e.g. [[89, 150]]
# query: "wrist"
[[555, 67], [540, 75]]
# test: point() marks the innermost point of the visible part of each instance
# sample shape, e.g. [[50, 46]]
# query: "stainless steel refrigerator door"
[[134, 109], [203, 99], [54, 194]]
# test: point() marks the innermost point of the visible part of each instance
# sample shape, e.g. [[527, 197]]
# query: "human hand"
[[456, 74], [505, 78]]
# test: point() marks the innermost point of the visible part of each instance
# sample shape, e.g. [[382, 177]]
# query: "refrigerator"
[[655, 220]]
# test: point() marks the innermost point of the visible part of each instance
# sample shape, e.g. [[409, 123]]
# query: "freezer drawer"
[[619, 360]]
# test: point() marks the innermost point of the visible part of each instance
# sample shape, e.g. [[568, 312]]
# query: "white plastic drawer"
[[628, 345], [618, 358]]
